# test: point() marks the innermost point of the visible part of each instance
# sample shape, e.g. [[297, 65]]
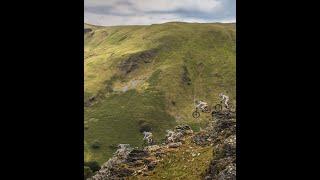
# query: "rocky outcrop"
[[177, 135], [223, 135], [174, 145], [132, 63], [128, 161], [113, 168], [184, 129], [152, 148]]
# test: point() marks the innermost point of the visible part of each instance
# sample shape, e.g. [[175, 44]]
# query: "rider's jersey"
[[147, 135], [202, 104], [224, 97]]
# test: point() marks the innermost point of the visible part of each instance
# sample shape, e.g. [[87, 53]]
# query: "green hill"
[[147, 77]]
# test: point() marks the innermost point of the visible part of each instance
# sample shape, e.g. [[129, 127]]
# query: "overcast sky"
[[130, 12]]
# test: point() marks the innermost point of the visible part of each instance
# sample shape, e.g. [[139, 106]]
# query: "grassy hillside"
[[188, 162], [148, 77]]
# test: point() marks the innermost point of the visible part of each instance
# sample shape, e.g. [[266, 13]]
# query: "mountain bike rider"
[[202, 105], [224, 98], [148, 137]]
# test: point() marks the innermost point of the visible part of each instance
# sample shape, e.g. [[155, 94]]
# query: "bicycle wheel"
[[218, 108], [195, 114], [231, 108]]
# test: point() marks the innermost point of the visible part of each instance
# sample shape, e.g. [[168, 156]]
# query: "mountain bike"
[[196, 113], [221, 106]]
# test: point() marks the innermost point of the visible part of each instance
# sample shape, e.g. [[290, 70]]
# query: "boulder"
[[201, 139], [136, 154], [184, 129], [174, 145], [152, 165], [152, 148], [229, 173]]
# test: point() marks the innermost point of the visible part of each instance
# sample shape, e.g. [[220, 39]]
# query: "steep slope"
[[208, 154], [147, 78]]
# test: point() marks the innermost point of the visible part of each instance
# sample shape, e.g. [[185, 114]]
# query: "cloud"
[[128, 12]]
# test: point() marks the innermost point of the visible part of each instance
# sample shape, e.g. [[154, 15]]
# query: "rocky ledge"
[[221, 134]]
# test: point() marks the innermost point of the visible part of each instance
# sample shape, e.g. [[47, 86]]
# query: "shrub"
[[145, 127], [93, 165], [141, 122], [96, 144], [113, 146], [87, 172]]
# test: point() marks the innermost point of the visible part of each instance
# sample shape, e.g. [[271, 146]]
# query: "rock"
[[112, 169], [159, 154], [124, 172], [136, 154], [178, 134], [123, 151], [134, 61], [173, 136], [229, 173], [184, 129], [201, 139], [223, 138], [152, 148], [174, 145], [152, 165], [139, 172], [221, 134], [231, 140]]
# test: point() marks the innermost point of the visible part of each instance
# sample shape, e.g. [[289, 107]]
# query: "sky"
[[143, 12]]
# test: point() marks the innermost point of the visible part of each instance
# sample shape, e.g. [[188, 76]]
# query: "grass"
[[205, 51], [117, 119], [181, 164]]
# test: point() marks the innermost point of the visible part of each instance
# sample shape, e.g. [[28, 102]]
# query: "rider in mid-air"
[[224, 98]]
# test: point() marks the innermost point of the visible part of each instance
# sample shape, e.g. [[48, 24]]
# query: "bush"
[[93, 165], [87, 172], [96, 144], [113, 146], [145, 127]]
